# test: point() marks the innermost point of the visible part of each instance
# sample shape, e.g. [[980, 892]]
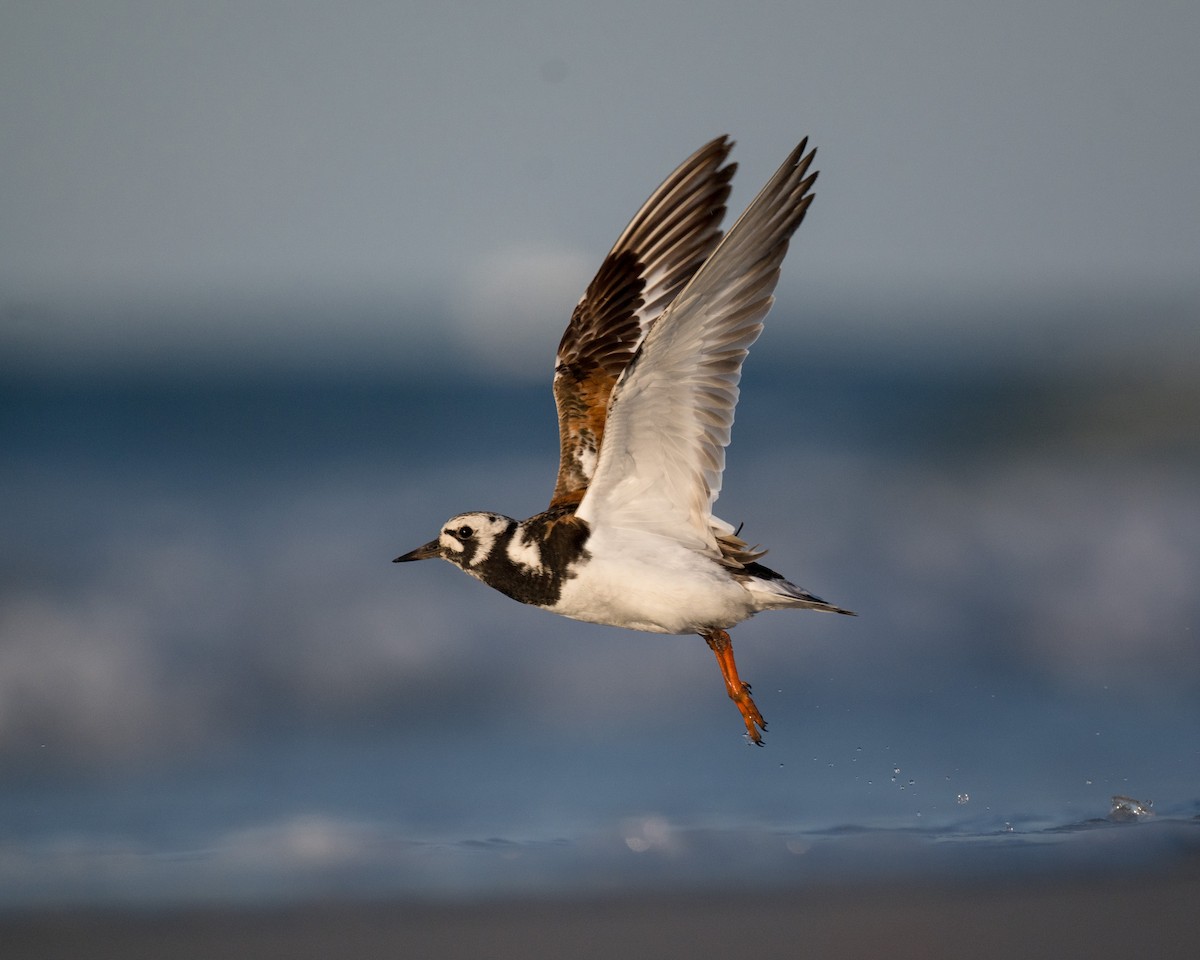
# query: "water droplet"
[[1128, 809]]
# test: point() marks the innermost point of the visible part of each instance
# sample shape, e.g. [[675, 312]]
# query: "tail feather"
[[768, 581]]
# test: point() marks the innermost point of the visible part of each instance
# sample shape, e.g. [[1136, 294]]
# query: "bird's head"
[[466, 540]]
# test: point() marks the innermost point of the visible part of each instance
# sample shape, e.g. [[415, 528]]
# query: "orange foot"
[[738, 691]]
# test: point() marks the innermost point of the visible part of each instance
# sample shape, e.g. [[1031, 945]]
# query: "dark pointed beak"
[[431, 549]]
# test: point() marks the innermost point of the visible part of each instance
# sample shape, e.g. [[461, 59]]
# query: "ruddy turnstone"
[[645, 383]]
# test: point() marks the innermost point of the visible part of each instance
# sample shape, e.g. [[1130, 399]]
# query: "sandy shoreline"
[[1153, 915]]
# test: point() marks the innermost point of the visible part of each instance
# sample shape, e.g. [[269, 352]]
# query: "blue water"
[[215, 686]]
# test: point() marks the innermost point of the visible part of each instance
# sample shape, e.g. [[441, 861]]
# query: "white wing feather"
[[670, 415]]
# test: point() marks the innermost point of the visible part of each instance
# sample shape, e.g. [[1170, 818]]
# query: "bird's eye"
[[464, 533]]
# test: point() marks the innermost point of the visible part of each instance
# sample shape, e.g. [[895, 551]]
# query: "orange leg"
[[739, 692]]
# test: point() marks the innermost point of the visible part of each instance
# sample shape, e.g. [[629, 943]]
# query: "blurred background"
[[280, 285]]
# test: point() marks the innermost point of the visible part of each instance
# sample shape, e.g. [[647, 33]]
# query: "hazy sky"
[[482, 157]]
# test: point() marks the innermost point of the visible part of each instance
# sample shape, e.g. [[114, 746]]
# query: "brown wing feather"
[[665, 243]]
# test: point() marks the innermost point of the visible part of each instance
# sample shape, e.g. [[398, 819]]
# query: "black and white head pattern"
[[468, 539], [527, 561]]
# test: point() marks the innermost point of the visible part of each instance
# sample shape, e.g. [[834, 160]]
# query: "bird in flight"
[[645, 382]]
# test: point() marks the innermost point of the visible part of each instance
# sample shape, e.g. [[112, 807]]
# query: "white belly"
[[686, 593]]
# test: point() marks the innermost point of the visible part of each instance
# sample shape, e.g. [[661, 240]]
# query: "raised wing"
[[670, 416], [673, 233]]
